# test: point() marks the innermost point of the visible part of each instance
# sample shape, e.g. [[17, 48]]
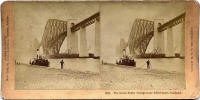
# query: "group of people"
[[17, 62]]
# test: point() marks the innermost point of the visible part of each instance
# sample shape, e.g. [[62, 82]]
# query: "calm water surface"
[[164, 64], [77, 64], [93, 65]]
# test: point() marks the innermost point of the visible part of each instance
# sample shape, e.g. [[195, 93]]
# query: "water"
[[163, 64], [93, 65], [77, 64]]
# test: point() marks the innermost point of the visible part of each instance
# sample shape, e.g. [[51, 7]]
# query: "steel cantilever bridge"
[[143, 31], [57, 30], [54, 34]]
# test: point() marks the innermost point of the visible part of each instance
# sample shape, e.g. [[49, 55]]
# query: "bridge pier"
[[83, 43], [74, 43], [72, 40], [97, 38], [170, 43], [159, 44], [68, 37], [182, 36]]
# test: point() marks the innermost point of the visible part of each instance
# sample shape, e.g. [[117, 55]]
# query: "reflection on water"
[[77, 64]]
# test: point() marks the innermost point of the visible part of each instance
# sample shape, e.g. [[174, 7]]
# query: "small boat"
[[126, 61], [39, 61]]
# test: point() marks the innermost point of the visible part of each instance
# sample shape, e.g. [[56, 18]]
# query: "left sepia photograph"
[[57, 45]]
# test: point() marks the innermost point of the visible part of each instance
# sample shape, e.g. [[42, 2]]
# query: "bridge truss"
[[86, 22], [56, 31], [143, 30], [54, 34], [177, 20], [140, 36]]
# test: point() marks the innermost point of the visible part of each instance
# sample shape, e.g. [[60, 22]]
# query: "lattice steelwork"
[[175, 21], [54, 34], [86, 22], [140, 36]]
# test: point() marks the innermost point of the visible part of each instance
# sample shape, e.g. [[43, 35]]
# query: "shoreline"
[[110, 77]]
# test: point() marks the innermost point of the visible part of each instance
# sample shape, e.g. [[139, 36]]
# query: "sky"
[[117, 19], [31, 18]]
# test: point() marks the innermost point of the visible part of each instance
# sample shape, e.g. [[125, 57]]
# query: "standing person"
[[61, 63], [148, 64], [37, 53]]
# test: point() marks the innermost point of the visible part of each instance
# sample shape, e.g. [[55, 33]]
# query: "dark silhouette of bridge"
[[143, 31], [54, 34], [57, 30]]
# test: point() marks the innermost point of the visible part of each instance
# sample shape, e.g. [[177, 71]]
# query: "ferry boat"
[[125, 60], [41, 61]]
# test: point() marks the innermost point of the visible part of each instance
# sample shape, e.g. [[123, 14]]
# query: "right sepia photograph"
[[143, 45]]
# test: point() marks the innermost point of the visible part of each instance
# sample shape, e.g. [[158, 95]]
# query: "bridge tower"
[[170, 42], [182, 49], [83, 50], [170, 38], [97, 37], [159, 44], [83, 42], [72, 39]]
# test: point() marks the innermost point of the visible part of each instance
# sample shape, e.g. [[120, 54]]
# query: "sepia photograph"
[[143, 45], [57, 45]]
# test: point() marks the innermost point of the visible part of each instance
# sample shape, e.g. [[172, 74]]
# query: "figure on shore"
[[148, 64], [61, 63], [37, 53]]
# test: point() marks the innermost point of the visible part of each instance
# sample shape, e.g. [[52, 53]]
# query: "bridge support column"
[[74, 43], [97, 39], [170, 43], [83, 43], [68, 37], [182, 36], [159, 44], [72, 40]]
